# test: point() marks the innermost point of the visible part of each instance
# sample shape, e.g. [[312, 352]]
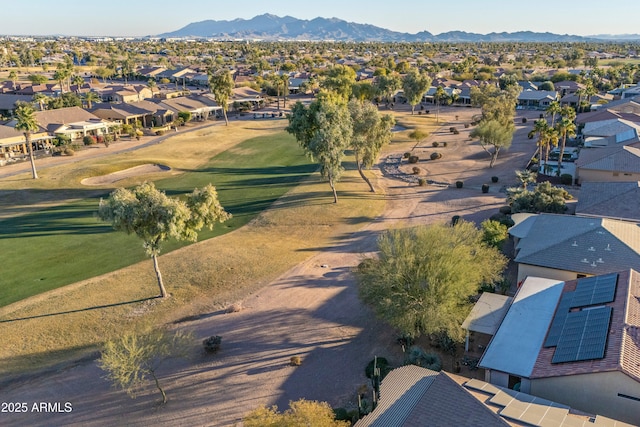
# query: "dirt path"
[[311, 311]]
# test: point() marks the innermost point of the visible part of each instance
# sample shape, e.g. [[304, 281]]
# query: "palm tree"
[[551, 138], [565, 127], [78, 81], [438, 96], [151, 84], [41, 99], [553, 109], [27, 123], [539, 127], [91, 97]]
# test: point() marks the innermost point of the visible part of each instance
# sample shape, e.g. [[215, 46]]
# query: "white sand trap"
[[114, 177]]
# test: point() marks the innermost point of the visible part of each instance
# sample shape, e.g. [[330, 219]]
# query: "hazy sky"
[[150, 17]]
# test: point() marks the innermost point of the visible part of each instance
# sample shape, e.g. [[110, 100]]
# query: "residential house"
[[73, 122], [414, 396], [631, 92], [615, 200], [8, 103], [566, 247], [567, 87], [536, 99], [411, 396], [125, 93], [612, 164], [201, 107], [148, 113], [575, 342], [14, 145]]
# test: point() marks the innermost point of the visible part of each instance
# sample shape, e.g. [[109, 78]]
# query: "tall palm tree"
[[90, 98], [78, 81], [27, 123], [553, 109], [539, 128], [438, 96], [41, 99], [565, 127], [551, 138]]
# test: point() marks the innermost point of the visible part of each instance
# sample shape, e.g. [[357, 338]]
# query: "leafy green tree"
[[67, 99], [494, 233], [493, 136], [38, 79], [363, 91], [339, 79], [27, 123], [371, 131], [495, 103], [300, 413], [221, 85], [387, 85], [324, 130], [132, 358], [423, 278], [414, 85], [152, 216]]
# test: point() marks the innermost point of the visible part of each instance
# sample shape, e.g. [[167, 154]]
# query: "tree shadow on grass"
[[79, 310]]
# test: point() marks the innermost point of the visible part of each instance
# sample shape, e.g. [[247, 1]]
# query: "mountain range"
[[271, 27]]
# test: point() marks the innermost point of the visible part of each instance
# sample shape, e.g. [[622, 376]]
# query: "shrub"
[[456, 132], [69, 151], [295, 361], [212, 344], [89, 140], [506, 210], [406, 155], [466, 125], [416, 170], [455, 219], [413, 159], [444, 144], [100, 139], [446, 343], [422, 182], [435, 156], [381, 363], [159, 132], [417, 356], [566, 179], [452, 129], [494, 179], [502, 219], [485, 188], [524, 120], [459, 184], [435, 144]]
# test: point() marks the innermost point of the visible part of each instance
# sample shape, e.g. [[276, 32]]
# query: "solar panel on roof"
[[555, 330], [595, 290], [584, 336]]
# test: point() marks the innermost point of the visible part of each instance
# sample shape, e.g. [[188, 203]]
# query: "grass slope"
[[63, 244]]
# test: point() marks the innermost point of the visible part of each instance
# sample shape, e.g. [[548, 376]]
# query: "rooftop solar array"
[[553, 336], [584, 335], [595, 290]]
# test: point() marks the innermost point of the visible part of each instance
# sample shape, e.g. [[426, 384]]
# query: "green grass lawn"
[[56, 246]]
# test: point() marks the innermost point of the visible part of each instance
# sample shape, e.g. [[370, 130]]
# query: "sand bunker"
[[114, 177]]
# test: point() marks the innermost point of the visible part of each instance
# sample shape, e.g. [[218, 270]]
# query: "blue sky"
[[144, 17]]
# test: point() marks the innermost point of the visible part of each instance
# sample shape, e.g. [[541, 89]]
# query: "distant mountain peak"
[[272, 27]]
